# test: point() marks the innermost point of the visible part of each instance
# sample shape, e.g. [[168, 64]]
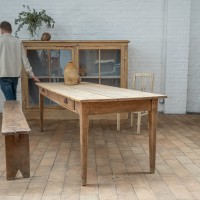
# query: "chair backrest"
[[143, 82]]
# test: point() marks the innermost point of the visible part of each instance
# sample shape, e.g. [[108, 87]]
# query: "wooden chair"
[[143, 82]]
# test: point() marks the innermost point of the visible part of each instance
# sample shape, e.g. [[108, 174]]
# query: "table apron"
[[95, 108]]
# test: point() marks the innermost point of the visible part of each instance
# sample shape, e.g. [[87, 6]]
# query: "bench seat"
[[16, 131]]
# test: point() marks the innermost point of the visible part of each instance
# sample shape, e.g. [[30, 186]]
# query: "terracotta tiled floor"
[[118, 164]]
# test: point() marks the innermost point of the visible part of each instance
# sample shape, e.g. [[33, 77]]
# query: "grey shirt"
[[13, 57]]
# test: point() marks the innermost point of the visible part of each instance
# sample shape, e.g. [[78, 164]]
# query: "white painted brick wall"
[[140, 21], [177, 53], [193, 97]]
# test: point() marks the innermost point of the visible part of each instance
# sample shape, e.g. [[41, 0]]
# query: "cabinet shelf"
[[82, 77], [47, 77], [101, 77]]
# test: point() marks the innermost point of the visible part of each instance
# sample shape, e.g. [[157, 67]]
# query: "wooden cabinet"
[[99, 61]]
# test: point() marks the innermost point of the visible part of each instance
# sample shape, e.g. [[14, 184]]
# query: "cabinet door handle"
[[66, 101]]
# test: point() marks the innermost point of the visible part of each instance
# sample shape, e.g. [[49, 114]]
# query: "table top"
[[90, 92]]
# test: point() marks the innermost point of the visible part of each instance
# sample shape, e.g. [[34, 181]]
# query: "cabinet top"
[[76, 41]]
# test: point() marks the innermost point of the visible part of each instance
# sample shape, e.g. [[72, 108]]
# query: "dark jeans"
[[9, 87]]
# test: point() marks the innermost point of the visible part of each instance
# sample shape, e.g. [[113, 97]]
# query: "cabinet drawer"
[[67, 103], [63, 101], [54, 97]]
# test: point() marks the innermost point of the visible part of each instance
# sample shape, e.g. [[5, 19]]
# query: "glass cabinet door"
[[100, 66], [39, 60], [88, 70], [58, 61], [48, 66]]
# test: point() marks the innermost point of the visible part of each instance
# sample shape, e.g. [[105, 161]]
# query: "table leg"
[[41, 99], [84, 124], [152, 135]]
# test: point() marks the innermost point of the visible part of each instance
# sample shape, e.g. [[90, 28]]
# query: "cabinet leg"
[[41, 111]]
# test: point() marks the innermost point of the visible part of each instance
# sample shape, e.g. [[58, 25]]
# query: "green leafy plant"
[[33, 19]]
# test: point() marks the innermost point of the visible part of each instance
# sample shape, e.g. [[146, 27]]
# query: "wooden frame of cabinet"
[[75, 46]]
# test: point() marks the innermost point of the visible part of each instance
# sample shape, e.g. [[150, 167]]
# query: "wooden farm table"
[[91, 99]]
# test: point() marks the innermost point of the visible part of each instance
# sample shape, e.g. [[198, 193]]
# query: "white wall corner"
[[193, 90], [177, 55]]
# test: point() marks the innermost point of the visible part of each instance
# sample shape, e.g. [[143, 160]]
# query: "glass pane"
[[88, 63], [55, 80], [39, 60], [110, 62], [59, 59], [45, 63]]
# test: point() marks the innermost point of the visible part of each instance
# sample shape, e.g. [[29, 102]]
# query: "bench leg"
[[17, 156]]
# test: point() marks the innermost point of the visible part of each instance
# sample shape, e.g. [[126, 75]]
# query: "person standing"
[[12, 57]]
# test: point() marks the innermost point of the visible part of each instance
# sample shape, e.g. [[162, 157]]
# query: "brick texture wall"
[[177, 54], [159, 37]]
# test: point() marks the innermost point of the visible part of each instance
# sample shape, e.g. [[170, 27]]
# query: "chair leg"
[[139, 122], [132, 117], [118, 121]]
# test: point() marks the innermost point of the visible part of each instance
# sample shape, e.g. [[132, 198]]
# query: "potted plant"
[[34, 20]]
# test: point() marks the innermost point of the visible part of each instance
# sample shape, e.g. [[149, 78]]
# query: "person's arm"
[[27, 65]]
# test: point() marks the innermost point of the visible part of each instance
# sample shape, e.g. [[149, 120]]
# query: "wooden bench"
[[16, 132]]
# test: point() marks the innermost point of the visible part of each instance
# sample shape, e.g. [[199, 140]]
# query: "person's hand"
[[36, 79]]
